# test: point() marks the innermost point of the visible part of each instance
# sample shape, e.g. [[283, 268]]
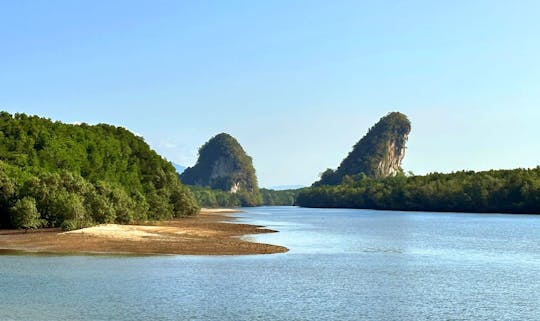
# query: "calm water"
[[343, 265]]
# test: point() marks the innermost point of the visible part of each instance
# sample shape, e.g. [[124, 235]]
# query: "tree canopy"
[[495, 191], [77, 175]]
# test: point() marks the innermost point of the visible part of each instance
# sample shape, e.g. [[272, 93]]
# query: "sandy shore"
[[206, 234]]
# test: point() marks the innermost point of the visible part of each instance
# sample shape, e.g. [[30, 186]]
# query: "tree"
[[24, 214], [503, 191], [7, 191], [81, 175]]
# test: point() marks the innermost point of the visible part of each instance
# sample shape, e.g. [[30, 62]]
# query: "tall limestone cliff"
[[378, 154], [223, 164]]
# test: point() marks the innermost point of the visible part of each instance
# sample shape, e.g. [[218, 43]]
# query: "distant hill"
[[378, 154], [55, 174], [224, 165], [179, 168]]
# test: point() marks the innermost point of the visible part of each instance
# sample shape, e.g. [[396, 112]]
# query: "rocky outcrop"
[[223, 164], [390, 165], [378, 154]]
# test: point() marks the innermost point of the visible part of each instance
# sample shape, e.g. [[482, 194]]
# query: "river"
[[342, 265]]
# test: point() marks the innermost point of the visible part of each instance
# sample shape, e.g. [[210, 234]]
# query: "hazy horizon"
[[297, 83]]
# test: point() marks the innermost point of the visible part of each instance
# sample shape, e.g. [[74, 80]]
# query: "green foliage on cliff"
[[499, 191], [387, 138], [78, 175], [223, 165]]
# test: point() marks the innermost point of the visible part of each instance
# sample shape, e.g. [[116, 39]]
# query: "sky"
[[298, 83]]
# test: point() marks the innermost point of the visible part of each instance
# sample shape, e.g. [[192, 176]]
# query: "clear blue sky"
[[296, 82]]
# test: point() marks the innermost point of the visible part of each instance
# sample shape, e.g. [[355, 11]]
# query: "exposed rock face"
[[223, 164], [378, 154], [391, 164], [235, 188]]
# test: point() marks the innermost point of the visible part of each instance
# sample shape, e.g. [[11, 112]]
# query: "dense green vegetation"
[[213, 198], [55, 174], [223, 165], [279, 198], [358, 182], [502, 191], [377, 154]]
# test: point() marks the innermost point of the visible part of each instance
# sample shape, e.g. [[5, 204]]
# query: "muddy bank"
[[210, 233]]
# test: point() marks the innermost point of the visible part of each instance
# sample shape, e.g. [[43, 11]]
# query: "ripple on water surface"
[[343, 265]]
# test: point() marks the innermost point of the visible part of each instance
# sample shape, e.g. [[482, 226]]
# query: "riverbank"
[[212, 232]]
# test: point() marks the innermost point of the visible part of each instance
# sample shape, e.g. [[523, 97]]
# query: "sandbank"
[[212, 232]]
